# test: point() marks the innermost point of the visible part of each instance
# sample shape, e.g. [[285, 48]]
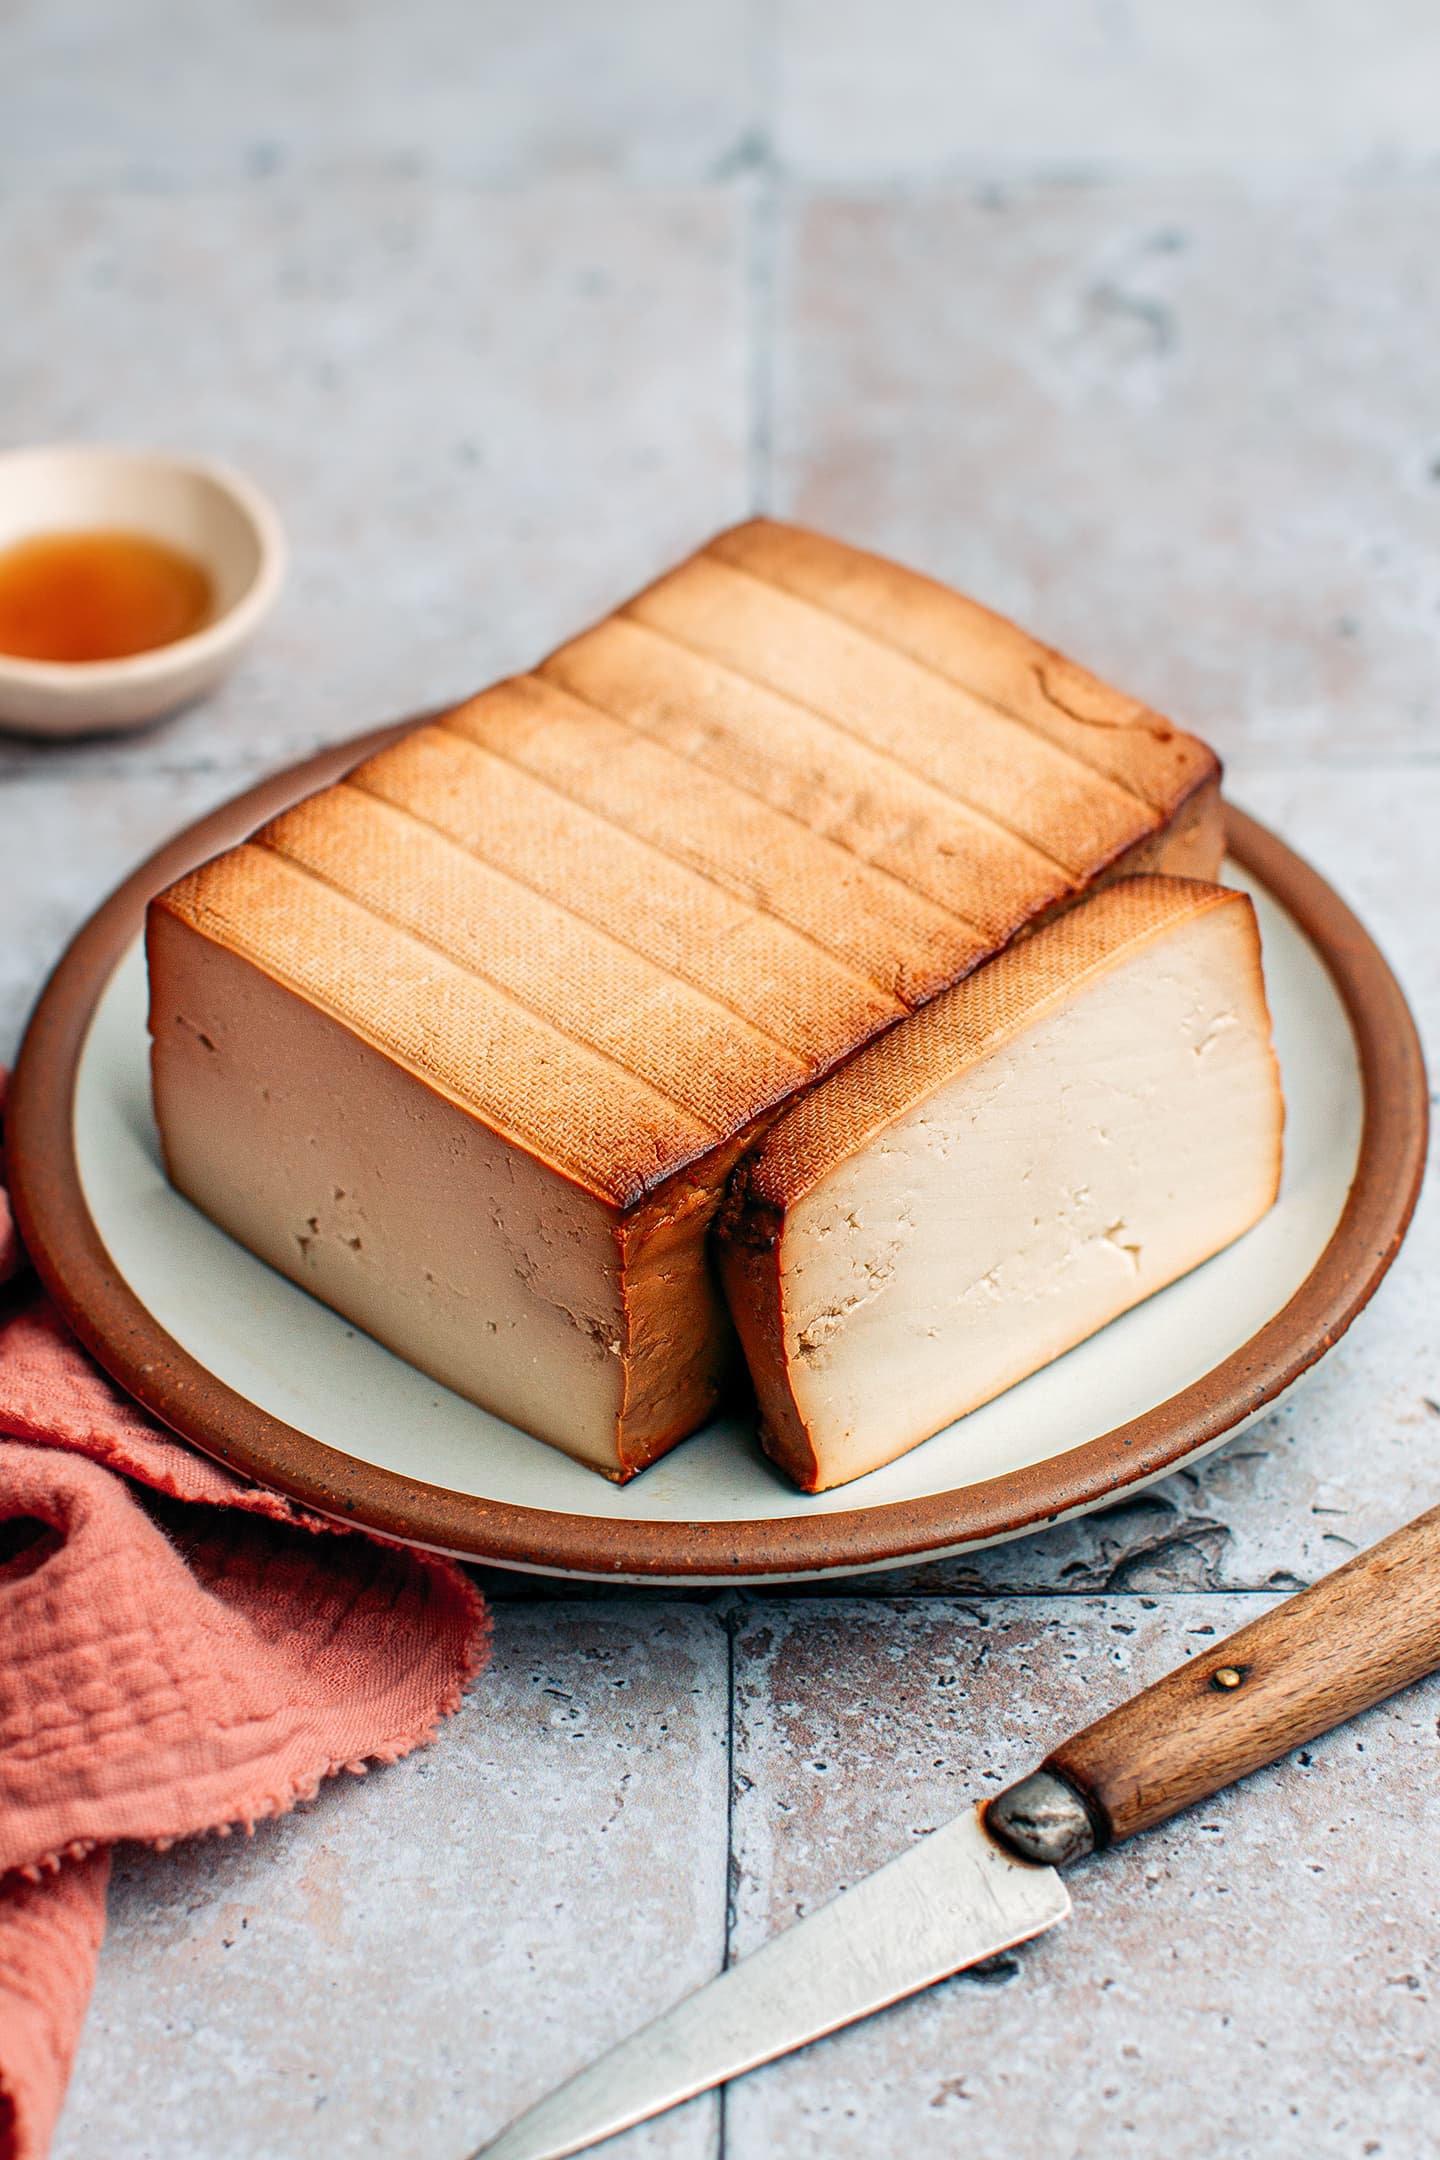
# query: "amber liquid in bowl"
[[97, 596]]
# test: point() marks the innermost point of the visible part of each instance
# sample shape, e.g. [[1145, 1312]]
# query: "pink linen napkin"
[[180, 1652]]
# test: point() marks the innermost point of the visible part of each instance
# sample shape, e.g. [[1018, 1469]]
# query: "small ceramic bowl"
[[205, 511]]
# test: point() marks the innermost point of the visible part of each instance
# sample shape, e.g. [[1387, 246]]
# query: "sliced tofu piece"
[[1084, 1119], [469, 1044]]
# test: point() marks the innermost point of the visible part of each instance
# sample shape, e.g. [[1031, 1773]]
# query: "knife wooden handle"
[[1321, 1657]]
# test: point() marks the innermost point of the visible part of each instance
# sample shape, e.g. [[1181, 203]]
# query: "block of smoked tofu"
[[468, 1044], [1081, 1121]]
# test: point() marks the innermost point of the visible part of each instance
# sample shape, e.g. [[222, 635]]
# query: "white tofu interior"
[[1121, 1139]]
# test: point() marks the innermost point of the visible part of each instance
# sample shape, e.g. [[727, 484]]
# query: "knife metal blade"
[[954, 1900], [988, 1880]]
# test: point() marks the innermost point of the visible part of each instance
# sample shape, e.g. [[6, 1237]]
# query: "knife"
[[990, 1879]]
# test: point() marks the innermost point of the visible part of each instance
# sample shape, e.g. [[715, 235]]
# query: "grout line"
[[761, 235], [1245, 761], [762, 343], [976, 175], [729, 1620], [756, 1591]]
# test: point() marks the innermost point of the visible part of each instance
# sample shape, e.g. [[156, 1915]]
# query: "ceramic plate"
[[254, 1371]]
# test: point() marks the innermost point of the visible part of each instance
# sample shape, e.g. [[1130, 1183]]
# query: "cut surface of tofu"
[[1085, 1119], [520, 989]]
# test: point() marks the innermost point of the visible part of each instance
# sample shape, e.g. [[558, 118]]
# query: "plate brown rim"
[[132, 1346]]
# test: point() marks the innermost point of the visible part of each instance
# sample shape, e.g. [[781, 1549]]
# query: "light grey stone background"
[[1124, 314]]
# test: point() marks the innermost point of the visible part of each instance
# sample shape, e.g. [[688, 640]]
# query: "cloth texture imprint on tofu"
[[592, 930], [1082, 1121]]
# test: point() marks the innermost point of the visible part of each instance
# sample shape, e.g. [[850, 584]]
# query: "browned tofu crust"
[[628, 905]]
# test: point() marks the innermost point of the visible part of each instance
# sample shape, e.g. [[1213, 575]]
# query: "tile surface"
[[408, 1961], [446, 393], [1122, 315], [918, 91], [1260, 1977], [161, 93], [1146, 420]]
